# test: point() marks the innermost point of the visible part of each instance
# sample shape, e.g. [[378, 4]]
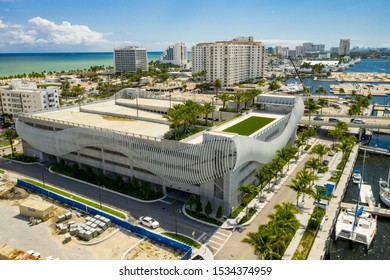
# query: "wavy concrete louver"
[[191, 164]]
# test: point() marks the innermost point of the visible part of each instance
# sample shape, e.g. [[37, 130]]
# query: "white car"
[[149, 222]]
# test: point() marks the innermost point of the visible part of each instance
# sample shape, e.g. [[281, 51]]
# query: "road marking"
[[219, 238], [201, 236]]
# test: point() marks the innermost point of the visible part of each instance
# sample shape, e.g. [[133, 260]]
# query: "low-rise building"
[[20, 97]]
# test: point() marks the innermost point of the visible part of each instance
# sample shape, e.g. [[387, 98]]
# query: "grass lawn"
[[249, 126]]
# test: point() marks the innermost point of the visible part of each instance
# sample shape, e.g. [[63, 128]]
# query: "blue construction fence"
[[120, 222]]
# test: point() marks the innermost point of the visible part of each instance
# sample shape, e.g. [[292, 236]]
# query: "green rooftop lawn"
[[249, 126]]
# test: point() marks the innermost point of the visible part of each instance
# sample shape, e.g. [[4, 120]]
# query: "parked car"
[[325, 162], [149, 222], [198, 257], [318, 118], [331, 153], [333, 120]]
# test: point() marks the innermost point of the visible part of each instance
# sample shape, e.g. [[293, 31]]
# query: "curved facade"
[[215, 157]]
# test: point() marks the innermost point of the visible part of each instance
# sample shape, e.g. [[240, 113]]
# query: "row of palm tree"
[[271, 240], [186, 115], [338, 132], [238, 97]]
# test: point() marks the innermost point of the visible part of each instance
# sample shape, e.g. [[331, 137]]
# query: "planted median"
[[77, 198]]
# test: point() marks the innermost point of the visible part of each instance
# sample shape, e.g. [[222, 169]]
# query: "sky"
[[101, 25]]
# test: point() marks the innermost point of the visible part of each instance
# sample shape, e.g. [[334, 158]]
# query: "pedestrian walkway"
[[260, 202], [218, 240], [306, 207]]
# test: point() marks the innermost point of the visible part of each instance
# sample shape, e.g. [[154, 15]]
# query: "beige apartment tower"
[[231, 62]]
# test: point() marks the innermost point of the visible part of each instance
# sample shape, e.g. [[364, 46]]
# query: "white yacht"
[[356, 225], [384, 190]]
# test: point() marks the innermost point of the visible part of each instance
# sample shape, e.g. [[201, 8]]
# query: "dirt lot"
[[113, 244]]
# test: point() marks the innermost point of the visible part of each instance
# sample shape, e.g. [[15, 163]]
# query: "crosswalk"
[[218, 240]]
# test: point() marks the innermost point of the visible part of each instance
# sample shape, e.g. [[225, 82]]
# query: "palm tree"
[[194, 109], [237, 97], [320, 150], [321, 90], [174, 116], [322, 103], [313, 163], [273, 85], [217, 86], [262, 242], [252, 93], [299, 186], [249, 192], [224, 97], [207, 109], [10, 135], [311, 107], [317, 193], [265, 175], [299, 142]]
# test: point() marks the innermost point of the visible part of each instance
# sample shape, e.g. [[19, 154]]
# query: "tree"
[[322, 103], [224, 97], [299, 186], [10, 135], [273, 85], [313, 163], [191, 200], [249, 192], [208, 209], [320, 150], [311, 107], [237, 97], [317, 193], [217, 86], [261, 242], [218, 215], [174, 116], [252, 93], [207, 109], [306, 177], [198, 203]]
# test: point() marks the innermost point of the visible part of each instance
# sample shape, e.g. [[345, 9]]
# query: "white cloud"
[[40, 31]]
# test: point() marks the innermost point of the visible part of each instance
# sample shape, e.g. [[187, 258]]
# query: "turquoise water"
[[19, 63]]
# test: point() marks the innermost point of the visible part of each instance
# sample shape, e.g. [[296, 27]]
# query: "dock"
[[380, 151], [383, 212]]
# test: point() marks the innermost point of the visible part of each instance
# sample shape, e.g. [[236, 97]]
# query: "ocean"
[[19, 63]]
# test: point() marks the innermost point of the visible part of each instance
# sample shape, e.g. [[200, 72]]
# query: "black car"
[[318, 118], [325, 162], [198, 257], [333, 120]]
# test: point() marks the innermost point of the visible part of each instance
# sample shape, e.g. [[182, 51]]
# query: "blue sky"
[[97, 25]]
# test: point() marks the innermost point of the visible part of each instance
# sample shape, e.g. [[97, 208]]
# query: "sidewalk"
[[259, 204], [305, 207]]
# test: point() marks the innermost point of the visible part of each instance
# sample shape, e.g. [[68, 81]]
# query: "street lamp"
[[178, 211], [100, 197]]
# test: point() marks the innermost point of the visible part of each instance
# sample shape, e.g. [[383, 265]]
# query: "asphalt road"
[[164, 212]]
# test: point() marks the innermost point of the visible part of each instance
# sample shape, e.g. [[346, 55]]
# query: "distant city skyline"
[[74, 26]]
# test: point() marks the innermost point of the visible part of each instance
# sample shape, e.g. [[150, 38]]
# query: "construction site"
[[38, 228]]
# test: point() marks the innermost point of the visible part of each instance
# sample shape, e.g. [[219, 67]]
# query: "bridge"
[[370, 122], [375, 150]]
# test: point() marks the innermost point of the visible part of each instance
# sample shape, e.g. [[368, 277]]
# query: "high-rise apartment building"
[[307, 47], [21, 97], [319, 48], [175, 54], [231, 62], [334, 49], [130, 59], [344, 47], [299, 50]]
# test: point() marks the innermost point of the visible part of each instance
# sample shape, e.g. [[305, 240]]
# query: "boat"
[[356, 176], [384, 190], [355, 224]]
